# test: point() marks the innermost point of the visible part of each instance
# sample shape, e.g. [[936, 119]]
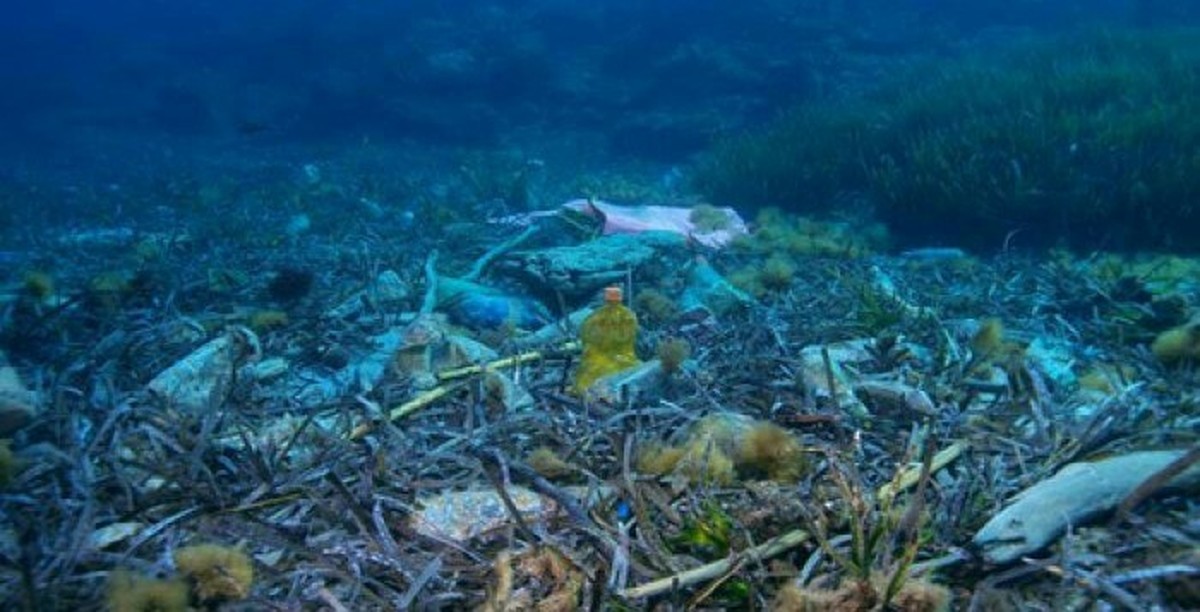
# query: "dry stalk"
[[712, 570]]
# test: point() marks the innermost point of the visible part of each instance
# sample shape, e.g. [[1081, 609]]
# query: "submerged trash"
[[577, 272], [496, 310], [708, 290], [481, 307], [709, 226], [641, 382], [202, 380], [409, 350], [608, 337], [556, 332], [825, 365], [502, 389], [388, 291], [392, 438], [714, 233], [114, 533], [723, 446]]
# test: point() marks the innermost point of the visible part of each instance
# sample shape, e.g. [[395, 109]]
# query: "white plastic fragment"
[[295, 433], [113, 533], [556, 332], [642, 382], [708, 290], [815, 375], [897, 395], [463, 350], [416, 350], [202, 380]]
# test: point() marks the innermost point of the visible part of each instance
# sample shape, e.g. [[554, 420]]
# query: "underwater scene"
[[550, 305]]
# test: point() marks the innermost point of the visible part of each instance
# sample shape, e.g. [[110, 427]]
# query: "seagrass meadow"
[[1087, 139]]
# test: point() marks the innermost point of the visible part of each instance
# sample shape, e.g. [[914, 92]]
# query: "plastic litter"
[[646, 218], [608, 336], [202, 380]]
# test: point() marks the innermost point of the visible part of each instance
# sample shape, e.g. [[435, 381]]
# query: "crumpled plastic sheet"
[[638, 219]]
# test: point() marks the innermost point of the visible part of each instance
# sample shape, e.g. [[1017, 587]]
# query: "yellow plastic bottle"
[[608, 336]]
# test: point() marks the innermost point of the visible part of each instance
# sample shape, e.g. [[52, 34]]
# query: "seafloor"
[[836, 435]]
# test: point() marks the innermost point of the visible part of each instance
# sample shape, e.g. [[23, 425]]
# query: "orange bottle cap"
[[612, 295]]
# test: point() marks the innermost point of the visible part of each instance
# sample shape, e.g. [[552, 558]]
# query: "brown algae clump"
[[720, 447], [217, 573], [672, 352], [547, 463], [772, 451], [129, 592], [1178, 344]]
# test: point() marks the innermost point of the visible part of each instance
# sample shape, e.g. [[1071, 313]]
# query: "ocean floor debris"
[[710, 226], [376, 445], [579, 271], [203, 379]]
